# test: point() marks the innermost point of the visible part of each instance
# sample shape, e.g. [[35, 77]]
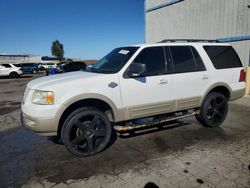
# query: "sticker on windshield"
[[124, 52]]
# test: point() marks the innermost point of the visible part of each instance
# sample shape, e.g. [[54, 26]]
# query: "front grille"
[[27, 90]]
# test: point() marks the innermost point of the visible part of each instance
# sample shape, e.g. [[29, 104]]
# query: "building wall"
[[199, 19], [19, 59]]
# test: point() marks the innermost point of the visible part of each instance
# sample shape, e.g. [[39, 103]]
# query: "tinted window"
[[6, 65], [198, 61], [154, 60], [114, 61], [223, 56], [183, 59]]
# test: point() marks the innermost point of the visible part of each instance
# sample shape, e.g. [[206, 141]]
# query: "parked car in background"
[[44, 66], [10, 70], [29, 67], [74, 66], [71, 66]]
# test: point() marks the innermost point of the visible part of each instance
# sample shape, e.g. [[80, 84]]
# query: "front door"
[[152, 93]]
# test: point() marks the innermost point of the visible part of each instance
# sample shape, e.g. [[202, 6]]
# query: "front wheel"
[[14, 75], [86, 131], [213, 110]]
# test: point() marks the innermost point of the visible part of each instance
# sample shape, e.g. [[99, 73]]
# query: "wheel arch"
[[220, 87], [13, 72], [91, 100]]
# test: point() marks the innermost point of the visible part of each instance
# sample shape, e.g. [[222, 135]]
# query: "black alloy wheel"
[[86, 131], [213, 110], [14, 75]]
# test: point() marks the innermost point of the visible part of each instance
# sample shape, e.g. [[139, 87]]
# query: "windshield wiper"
[[95, 70]]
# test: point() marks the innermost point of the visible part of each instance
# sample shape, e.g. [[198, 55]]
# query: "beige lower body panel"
[[135, 112], [150, 110], [188, 103], [42, 126], [237, 94]]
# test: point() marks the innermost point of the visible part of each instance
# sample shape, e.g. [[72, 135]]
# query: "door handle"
[[204, 77], [163, 81]]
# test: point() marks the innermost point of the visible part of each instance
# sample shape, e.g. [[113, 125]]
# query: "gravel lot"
[[180, 155]]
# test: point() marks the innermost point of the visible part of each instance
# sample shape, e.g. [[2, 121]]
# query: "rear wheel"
[[213, 110], [34, 71], [14, 75], [86, 131]]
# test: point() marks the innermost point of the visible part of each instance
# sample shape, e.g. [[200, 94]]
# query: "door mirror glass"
[[136, 70]]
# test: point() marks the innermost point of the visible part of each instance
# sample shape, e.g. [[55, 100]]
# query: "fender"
[[80, 97], [218, 84]]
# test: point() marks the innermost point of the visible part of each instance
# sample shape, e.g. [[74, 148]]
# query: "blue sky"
[[87, 28]]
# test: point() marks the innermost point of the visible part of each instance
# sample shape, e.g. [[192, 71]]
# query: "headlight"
[[43, 97]]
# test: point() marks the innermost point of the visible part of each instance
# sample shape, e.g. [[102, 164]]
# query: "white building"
[[15, 59], [228, 20], [20, 59]]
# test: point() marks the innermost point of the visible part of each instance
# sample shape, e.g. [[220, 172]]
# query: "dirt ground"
[[183, 154]]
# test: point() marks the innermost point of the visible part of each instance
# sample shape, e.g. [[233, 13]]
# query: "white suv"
[[10, 70], [158, 82]]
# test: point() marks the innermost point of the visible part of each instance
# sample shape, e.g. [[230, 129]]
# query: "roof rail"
[[188, 40]]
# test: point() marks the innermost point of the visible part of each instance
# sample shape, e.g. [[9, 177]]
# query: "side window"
[[182, 59], [153, 58], [6, 65], [223, 57], [197, 58]]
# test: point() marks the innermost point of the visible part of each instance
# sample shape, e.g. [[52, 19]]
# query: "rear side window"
[[186, 59], [223, 57], [154, 60]]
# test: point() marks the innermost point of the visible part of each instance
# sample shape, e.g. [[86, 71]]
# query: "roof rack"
[[188, 40]]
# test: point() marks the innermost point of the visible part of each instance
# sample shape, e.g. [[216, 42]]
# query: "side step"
[[164, 119]]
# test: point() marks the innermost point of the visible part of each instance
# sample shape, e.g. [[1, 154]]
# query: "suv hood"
[[49, 82]]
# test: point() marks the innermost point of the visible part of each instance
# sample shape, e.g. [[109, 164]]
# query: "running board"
[[130, 127]]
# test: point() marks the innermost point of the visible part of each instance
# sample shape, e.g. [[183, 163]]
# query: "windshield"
[[114, 61]]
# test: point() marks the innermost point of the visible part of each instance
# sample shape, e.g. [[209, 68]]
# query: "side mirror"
[[136, 70]]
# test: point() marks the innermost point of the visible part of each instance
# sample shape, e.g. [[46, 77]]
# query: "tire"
[[34, 71], [86, 131], [214, 110], [13, 75]]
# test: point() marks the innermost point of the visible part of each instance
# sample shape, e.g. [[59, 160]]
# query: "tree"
[[57, 49]]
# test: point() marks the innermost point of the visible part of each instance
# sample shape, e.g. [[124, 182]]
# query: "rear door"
[[190, 76]]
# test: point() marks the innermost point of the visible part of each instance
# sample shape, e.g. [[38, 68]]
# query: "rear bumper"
[[237, 94], [41, 126]]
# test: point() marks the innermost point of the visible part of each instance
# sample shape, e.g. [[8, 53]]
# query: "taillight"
[[242, 76]]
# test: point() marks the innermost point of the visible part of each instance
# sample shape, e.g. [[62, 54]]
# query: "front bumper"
[[41, 126]]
